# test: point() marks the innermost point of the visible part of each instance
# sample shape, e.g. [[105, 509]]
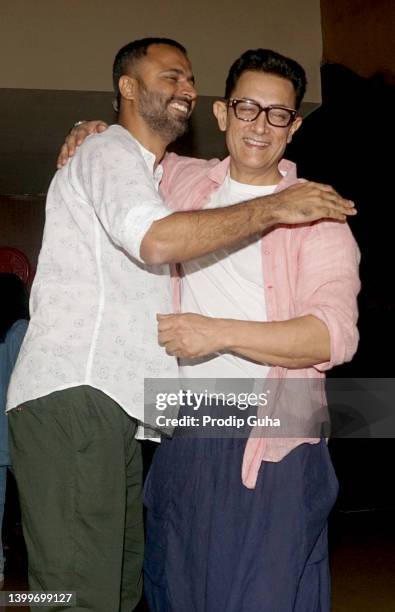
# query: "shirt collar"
[[148, 157], [150, 160], [219, 171]]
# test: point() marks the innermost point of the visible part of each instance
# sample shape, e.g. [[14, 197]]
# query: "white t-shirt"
[[93, 307], [227, 284]]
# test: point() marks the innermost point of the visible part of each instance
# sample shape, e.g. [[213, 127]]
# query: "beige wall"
[[70, 44]]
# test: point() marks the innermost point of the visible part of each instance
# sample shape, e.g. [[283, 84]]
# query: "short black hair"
[[134, 51], [266, 60], [14, 303]]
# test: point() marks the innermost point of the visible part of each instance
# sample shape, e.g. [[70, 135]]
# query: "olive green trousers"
[[79, 473]]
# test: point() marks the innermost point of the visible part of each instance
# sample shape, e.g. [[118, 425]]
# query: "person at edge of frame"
[[14, 320]]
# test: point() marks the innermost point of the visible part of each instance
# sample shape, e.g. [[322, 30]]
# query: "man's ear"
[[294, 127], [220, 110], [127, 87]]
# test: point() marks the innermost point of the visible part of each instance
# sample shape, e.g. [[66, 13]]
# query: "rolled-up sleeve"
[[328, 286], [119, 186]]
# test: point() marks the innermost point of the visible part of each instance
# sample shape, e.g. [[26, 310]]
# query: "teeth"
[[181, 107], [257, 143]]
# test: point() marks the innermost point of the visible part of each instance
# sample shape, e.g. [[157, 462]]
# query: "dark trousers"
[[78, 469], [215, 546]]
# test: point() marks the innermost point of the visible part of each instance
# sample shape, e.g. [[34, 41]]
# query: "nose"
[[261, 123], [188, 90]]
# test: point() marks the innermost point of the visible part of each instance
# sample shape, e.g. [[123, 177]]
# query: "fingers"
[[321, 190], [349, 210], [164, 337], [168, 337], [343, 208], [336, 212], [173, 351], [349, 205], [92, 127], [328, 202], [169, 343], [72, 141], [76, 137], [62, 157], [331, 195], [165, 322]]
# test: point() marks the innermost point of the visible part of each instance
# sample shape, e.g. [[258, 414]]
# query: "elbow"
[[351, 345], [154, 252], [344, 346]]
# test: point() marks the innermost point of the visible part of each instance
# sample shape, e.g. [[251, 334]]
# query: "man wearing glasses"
[[234, 525]]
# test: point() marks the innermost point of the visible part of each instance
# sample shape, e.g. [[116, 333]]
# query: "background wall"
[[70, 44], [22, 224], [56, 62], [360, 34]]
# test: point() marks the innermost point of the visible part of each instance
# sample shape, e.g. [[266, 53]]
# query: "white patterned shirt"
[[94, 302]]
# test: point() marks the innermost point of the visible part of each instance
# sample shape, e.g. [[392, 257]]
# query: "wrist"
[[270, 209], [224, 333]]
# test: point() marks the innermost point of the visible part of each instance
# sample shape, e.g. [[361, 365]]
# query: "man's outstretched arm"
[[182, 236], [186, 235]]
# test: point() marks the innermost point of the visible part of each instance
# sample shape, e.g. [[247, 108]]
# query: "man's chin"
[[179, 128]]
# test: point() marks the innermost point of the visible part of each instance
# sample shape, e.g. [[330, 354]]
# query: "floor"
[[363, 560]]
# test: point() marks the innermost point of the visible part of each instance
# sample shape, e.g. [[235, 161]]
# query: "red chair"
[[13, 260]]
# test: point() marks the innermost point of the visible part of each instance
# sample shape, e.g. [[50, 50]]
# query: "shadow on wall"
[[345, 143]]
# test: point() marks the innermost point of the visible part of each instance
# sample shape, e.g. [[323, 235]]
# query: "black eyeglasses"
[[249, 110]]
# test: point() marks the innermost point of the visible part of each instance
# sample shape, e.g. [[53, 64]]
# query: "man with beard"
[[78, 384]]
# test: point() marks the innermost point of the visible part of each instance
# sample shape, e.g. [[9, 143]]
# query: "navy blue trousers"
[[215, 546]]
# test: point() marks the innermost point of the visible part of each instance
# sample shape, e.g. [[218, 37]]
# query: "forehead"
[[165, 57], [265, 88]]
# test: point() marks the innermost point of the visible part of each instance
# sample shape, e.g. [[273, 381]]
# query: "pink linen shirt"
[[310, 269]]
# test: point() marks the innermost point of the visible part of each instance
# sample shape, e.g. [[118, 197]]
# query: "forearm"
[[297, 343], [186, 235]]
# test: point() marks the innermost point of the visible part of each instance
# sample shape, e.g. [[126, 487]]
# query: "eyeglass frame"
[[232, 103]]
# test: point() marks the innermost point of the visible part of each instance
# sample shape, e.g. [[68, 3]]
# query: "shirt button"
[[266, 252], [269, 286]]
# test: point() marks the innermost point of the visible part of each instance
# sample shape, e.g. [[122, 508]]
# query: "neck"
[[141, 132], [254, 176]]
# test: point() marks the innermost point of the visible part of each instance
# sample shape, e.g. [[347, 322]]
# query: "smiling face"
[[256, 147], [164, 93]]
